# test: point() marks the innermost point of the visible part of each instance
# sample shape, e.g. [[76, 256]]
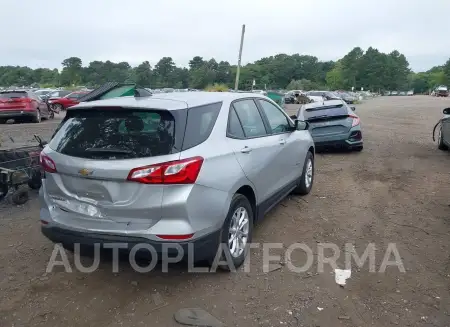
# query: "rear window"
[[116, 134], [13, 95], [315, 93], [313, 113]]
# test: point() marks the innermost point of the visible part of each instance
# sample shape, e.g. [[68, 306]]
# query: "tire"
[[441, 144], [37, 119], [20, 196], [238, 202], [2, 121], [35, 181], [307, 179], [3, 190]]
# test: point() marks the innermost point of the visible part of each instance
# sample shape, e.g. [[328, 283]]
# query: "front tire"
[[441, 144], [236, 234], [307, 178]]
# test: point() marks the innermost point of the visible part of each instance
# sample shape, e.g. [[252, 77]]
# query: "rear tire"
[[441, 144], [239, 201], [37, 119], [307, 178]]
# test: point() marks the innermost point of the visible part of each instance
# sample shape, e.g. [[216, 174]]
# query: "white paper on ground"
[[341, 276]]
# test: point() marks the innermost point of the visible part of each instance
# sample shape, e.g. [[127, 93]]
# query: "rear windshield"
[[315, 93], [115, 133], [13, 95], [324, 112]]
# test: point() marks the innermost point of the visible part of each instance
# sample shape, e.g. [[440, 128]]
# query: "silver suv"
[[194, 169]]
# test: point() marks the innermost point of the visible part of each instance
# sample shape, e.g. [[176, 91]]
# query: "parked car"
[[402, 93], [67, 101], [289, 97], [42, 93], [325, 94], [394, 93], [410, 92], [333, 124], [57, 94], [444, 131], [347, 97], [22, 106], [180, 168], [441, 91]]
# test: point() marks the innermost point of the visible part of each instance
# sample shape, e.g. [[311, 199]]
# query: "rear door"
[[288, 164], [95, 150], [255, 148], [328, 122]]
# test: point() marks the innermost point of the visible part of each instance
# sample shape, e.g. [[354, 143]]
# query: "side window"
[[200, 123], [250, 118], [234, 125], [277, 120]]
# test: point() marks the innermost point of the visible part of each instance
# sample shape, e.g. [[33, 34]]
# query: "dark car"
[[21, 106], [444, 131], [347, 97], [332, 124]]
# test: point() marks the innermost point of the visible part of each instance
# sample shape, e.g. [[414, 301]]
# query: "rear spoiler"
[[103, 90], [325, 107]]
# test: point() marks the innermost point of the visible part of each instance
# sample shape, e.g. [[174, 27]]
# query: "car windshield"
[[42, 92], [325, 112], [115, 134]]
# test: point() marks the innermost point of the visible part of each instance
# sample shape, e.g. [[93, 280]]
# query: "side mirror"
[[293, 117], [353, 108], [301, 125], [446, 111]]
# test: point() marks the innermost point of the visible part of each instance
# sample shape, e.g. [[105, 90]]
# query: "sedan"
[[333, 124], [69, 100]]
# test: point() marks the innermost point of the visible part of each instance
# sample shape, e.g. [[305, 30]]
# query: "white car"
[[410, 93]]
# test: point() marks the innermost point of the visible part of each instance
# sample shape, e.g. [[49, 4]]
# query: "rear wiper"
[[111, 150]]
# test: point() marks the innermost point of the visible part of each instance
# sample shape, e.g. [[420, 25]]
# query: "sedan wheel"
[[238, 232], [307, 178], [441, 144]]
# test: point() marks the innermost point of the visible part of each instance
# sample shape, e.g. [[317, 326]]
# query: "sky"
[[44, 33]]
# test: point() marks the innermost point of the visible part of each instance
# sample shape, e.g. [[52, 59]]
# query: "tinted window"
[[234, 125], [323, 112], [200, 122], [13, 95], [250, 118], [277, 120], [115, 134], [317, 94]]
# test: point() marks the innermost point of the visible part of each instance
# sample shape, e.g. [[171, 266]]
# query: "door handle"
[[246, 150], [282, 141]]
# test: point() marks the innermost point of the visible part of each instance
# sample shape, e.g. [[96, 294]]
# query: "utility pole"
[[238, 71]]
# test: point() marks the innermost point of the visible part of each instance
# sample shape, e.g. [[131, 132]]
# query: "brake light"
[[47, 163], [175, 237], [356, 120], [173, 172]]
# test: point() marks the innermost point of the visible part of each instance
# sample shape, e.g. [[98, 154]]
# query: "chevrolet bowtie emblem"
[[85, 172]]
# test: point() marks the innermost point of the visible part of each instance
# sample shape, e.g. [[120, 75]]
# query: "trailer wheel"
[[20, 196]]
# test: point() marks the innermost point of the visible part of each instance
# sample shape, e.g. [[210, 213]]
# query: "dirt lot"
[[395, 191]]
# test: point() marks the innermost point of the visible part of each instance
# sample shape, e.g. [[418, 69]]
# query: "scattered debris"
[[134, 283], [344, 318], [319, 308], [341, 276], [309, 274], [196, 317]]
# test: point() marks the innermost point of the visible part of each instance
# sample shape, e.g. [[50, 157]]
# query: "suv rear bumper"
[[201, 248], [10, 114]]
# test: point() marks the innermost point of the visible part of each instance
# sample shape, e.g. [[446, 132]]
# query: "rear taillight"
[[47, 163], [175, 237], [356, 120], [173, 172]]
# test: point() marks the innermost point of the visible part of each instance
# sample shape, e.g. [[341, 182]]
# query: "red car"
[[21, 106], [69, 100]]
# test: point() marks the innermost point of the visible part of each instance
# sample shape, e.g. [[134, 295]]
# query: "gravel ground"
[[395, 191]]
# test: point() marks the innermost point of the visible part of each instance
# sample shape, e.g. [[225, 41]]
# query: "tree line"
[[369, 69]]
